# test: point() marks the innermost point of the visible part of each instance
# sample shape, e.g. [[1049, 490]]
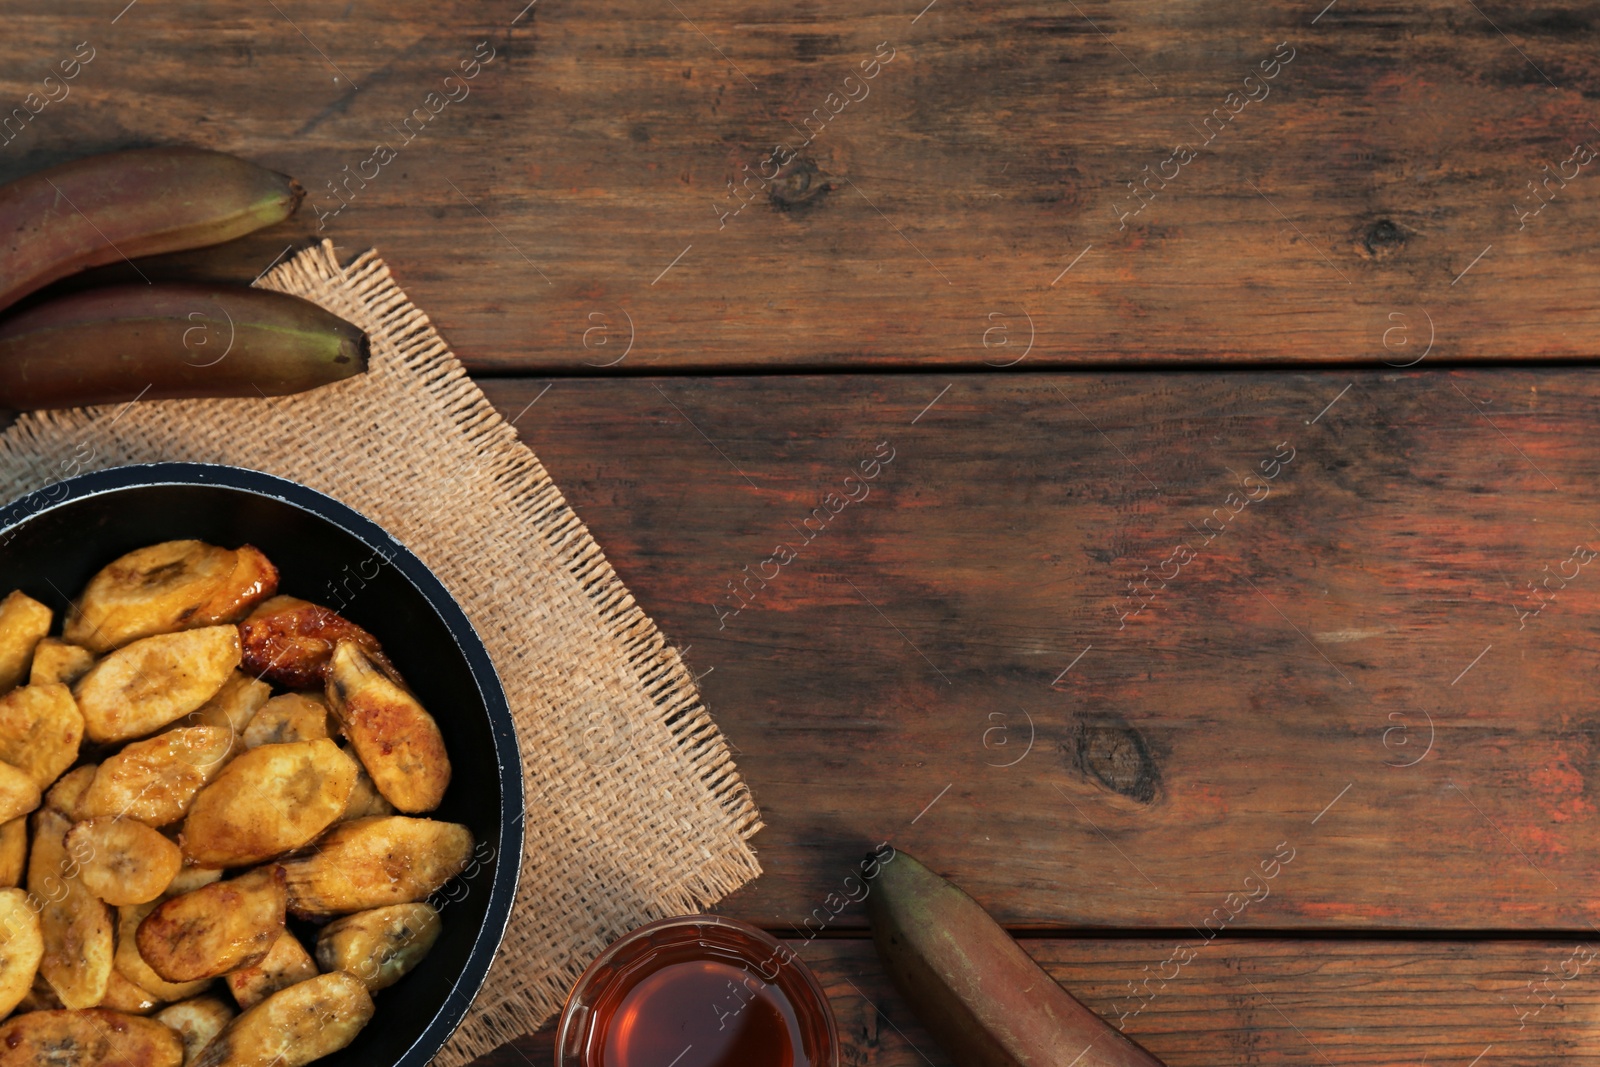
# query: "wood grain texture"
[[571, 210], [1270, 697], [1348, 1003]]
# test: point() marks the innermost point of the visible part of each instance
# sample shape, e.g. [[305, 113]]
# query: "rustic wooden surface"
[[1351, 671], [1357, 668], [1379, 173], [1257, 1001], [1293, 664]]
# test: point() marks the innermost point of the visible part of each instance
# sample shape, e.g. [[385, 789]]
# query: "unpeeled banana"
[[988, 1003], [155, 341], [140, 202], [171, 340]]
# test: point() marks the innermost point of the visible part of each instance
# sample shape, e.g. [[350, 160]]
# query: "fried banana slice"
[[232, 707], [122, 995], [13, 853], [379, 946], [23, 623], [123, 860], [149, 683], [372, 863], [365, 800], [396, 739], [293, 1026], [93, 1038], [55, 660], [197, 1021], [21, 948], [66, 796], [288, 641], [268, 801], [156, 781], [215, 929], [132, 966], [253, 579], [151, 590], [75, 924], [19, 793], [175, 585], [40, 730], [287, 963], [286, 718]]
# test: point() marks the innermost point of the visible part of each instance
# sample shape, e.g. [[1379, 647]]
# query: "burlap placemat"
[[635, 809]]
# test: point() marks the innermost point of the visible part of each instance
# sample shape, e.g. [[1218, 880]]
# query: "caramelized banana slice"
[[286, 718], [286, 964], [132, 966], [371, 863], [55, 660], [232, 707], [379, 946], [215, 929], [19, 793], [176, 585], [268, 801], [75, 924], [288, 641], [365, 800], [93, 1038], [143, 686], [197, 1021], [253, 580], [293, 1026], [397, 740], [40, 730], [155, 781], [123, 860], [66, 796], [151, 590], [23, 623], [21, 948], [122, 995], [13, 853]]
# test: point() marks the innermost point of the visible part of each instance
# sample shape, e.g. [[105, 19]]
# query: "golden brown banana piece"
[[380, 946], [216, 928], [143, 202], [92, 1038], [174, 585], [21, 947], [372, 863], [285, 964], [289, 641], [76, 926], [398, 742], [293, 1026], [197, 1021], [268, 801], [169, 341]]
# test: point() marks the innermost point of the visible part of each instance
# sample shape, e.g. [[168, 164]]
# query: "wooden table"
[[1223, 372]]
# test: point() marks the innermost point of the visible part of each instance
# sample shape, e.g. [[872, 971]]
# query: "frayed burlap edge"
[[676, 784]]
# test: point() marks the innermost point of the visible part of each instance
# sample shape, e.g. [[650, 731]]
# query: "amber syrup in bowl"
[[697, 991]]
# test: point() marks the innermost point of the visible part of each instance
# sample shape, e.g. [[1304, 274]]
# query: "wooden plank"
[[1257, 1001], [1275, 696], [570, 211]]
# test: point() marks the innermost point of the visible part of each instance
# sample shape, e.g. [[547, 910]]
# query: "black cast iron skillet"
[[53, 540]]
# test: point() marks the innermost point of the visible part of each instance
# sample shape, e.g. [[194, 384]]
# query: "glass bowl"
[[697, 991]]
